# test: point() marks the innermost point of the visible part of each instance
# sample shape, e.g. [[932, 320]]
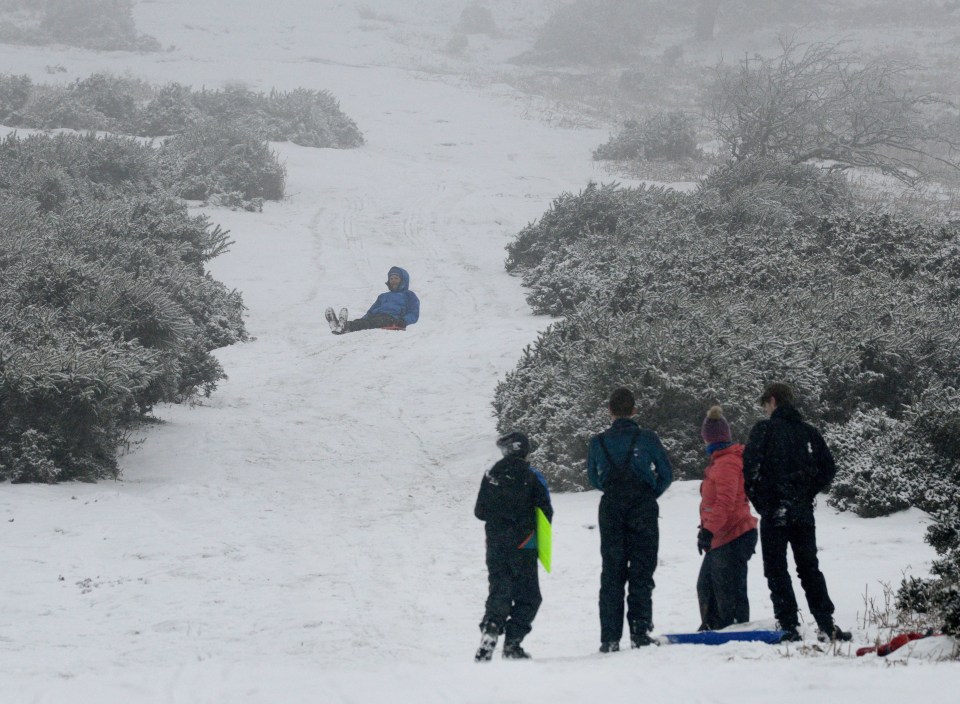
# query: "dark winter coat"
[[786, 463], [649, 471], [401, 304], [509, 492], [724, 510]]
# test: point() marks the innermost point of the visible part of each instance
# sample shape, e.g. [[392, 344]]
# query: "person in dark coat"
[[510, 492], [786, 463], [395, 309], [728, 531], [630, 466]]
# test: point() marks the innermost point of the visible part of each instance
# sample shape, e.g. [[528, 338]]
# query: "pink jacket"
[[724, 509]]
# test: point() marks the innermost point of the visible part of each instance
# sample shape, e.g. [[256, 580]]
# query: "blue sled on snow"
[[721, 637]]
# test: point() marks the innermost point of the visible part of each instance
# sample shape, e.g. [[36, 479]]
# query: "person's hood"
[[509, 467], [404, 277]]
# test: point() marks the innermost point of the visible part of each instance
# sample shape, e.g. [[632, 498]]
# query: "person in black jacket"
[[630, 466], [786, 463], [510, 492]]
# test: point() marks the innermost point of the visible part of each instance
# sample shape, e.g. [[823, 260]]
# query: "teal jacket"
[[649, 469]]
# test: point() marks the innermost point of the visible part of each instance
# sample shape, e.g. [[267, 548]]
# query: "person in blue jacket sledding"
[[393, 310]]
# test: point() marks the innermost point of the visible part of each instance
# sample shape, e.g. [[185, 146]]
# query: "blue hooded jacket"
[[402, 304], [648, 463]]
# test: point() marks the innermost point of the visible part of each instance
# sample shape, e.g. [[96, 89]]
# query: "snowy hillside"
[[306, 534]]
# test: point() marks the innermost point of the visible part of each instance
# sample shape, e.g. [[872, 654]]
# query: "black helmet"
[[514, 445]]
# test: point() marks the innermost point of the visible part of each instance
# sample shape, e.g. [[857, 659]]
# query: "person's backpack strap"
[[625, 466]]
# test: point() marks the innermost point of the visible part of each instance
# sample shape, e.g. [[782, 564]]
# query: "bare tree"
[[819, 103]]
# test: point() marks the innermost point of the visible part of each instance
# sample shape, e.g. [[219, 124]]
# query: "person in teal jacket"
[[630, 466]]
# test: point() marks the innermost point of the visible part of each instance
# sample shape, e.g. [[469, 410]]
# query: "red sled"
[[394, 327], [894, 643]]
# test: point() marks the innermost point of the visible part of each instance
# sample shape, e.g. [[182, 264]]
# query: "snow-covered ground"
[[306, 534]]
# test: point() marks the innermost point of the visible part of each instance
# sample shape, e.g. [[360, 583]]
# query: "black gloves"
[[704, 539]]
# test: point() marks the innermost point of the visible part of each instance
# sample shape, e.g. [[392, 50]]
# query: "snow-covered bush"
[[938, 598], [698, 298], [118, 98], [14, 92], [204, 161], [170, 110], [311, 118], [105, 305], [53, 171], [216, 157], [666, 135], [592, 32], [768, 190], [127, 105], [887, 464], [476, 18], [105, 25]]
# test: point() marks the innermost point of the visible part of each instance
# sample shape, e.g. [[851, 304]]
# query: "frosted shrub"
[[216, 158], [666, 135], [92, 24], [888, 464], [310, 118], [602, 210], [105, 304], [476, 18], [592, 32], [127, 105], [874, 473], [53, 171], [171, 110], [95, 24], [938, 599], [698, 298], [118, 98], [14, 92], [747, 191]]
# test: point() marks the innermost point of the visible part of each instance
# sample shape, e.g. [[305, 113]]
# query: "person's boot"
[[488, 643], [610, 646], [831, 632], [513, 651], [790, 633], [640, 636], [342, 320], [332, 320]]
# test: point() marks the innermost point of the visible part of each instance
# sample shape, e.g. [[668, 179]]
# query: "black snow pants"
[[722, 583], [629, 540], [514, 597], [377, 320], [773, 547]]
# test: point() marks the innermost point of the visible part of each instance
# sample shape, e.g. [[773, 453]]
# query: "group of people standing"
[[783, 466]]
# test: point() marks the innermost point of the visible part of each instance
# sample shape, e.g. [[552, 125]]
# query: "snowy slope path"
[[306, 534], [311, 506]]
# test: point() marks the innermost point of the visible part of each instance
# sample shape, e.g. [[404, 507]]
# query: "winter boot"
[[332, 320], [513, 651], [790, 635], [610, 646], [640, 640], [640, 636], [832, 632], [342, 320], [488, 643]]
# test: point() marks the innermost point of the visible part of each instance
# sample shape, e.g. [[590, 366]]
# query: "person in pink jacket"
[[728, 531]]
